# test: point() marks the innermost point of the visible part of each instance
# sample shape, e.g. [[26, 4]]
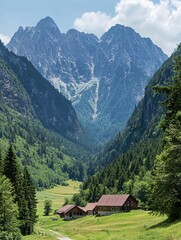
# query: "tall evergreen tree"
[[8, 212], [1, 164], [13, 173], [29, 214], [166, 182]]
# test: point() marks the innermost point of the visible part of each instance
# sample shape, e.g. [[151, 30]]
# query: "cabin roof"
[[113, 200], [89, 207], [67, 208]]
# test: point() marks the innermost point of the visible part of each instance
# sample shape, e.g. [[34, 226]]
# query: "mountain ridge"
[[95, 74]]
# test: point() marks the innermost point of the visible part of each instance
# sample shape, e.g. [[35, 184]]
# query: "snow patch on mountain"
[[96, 99]]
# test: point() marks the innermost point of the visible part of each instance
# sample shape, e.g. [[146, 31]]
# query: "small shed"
[[71, 211], [109, 204]]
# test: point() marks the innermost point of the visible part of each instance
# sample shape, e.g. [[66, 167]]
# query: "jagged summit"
[[104, 78], [46, 23]]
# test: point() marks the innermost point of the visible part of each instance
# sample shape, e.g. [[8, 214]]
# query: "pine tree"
[[30, 205], [1, 164], [13, 173], [8, 212], [166, 182]]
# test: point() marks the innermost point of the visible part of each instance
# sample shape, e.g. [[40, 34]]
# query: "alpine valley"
[[103, 78]]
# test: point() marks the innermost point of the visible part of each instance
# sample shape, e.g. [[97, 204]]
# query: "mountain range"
[[103, 78]]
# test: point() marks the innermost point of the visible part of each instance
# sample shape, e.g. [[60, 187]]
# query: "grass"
[[135, 225], [57, 195]]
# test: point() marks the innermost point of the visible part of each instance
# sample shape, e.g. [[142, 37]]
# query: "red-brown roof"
[[89, 207], [67, 208], [113, 200]]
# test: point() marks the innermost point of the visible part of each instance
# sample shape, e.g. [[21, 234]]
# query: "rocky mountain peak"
[[46, 23], [48, 27], [104, 78]]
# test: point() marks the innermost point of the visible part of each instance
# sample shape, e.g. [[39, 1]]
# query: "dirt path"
[[63, 238], [60, 237]]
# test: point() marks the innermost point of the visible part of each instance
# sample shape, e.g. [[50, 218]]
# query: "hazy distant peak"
[[47, 23]]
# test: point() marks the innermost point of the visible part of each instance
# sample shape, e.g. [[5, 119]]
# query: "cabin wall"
[[131, 203], [106, 210], [74, 214]]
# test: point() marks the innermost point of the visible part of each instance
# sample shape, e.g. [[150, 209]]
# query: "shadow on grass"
[[164, 224]]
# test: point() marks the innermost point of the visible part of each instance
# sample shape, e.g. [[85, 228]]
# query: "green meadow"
[[134, 225], [57, 195]]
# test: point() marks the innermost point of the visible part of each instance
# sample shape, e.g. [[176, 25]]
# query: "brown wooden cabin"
[[109, 204], [71, 211]]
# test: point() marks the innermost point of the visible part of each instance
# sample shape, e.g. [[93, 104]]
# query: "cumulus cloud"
[[4, 38], [93, 22], [159, 21]]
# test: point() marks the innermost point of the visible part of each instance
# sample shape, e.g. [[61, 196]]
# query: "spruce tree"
[[9, 224], [13, 173], [30, 205], [166, 182], [1, 164]]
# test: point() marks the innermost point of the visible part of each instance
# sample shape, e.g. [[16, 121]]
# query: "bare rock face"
[[103, 78]]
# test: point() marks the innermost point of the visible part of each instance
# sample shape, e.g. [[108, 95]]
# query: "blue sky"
[[159, 20]]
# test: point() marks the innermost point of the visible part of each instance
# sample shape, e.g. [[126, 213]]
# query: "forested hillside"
[[128, 160], [30, 111]]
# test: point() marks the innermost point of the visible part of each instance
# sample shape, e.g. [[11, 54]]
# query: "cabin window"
[[132, 203], [80, 213], [74, 213], [127, 203]]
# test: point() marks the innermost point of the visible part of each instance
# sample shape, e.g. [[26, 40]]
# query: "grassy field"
[[135, 225], [57, 195]]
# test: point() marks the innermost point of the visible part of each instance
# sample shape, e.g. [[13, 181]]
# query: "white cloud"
[[93, 22], [4, 38], [159, 21]]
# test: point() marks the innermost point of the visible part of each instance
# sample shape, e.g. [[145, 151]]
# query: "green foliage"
[[78, 200], [166, 182], [47, 207], [9, 224], [13, 173], [24, 192], [29, 212], [44, 151], [1, 164], [66, 201]]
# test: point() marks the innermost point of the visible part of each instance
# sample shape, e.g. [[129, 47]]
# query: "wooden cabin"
[[71, 211], [109, 204]]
